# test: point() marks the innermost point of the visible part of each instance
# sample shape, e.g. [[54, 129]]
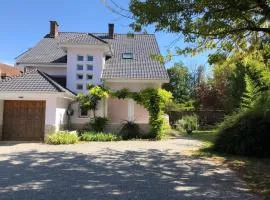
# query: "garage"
[[24, 120]]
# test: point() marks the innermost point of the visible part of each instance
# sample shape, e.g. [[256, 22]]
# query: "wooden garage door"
[[24, 120]]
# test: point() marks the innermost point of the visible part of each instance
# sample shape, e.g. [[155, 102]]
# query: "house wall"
[[122, 110], [1, 117], [98, 63], [53, 70], [79, 122]]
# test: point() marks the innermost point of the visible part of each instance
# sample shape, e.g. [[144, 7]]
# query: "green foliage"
[[180, 84], [62, 137], [99, 136], [90, 100], [99, 92], [130, 130], [247, 132], [154, 100], [188, 123], [186, 106], [224, 25], [98, 123], [121, 94], [250, 94]]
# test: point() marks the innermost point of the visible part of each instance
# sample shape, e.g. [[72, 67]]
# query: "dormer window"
[[79, 58], [127, 55]]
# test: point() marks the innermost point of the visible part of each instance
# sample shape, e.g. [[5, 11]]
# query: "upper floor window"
[[79, 58], [89, 67], [90, 58], [79, 86], [127, 55], [79, 76], [80, 67], [89, 76]]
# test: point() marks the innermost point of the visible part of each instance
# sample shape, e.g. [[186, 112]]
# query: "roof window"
[[127, 55]]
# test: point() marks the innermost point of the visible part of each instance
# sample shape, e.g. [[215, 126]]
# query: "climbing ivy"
[[154, 100]]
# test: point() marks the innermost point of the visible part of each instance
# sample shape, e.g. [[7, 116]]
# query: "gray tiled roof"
[[84, 38], [32, 81], [143, 46]]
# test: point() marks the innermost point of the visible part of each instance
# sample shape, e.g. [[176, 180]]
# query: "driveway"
[[114, 170]]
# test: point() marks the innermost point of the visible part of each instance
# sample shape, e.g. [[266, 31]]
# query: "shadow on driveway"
[[111, 174]]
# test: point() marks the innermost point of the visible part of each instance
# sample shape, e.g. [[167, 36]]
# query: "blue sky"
[[24, 23]]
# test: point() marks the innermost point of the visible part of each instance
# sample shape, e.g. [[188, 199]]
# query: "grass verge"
[[255, 171]]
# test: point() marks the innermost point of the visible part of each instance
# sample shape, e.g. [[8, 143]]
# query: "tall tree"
[[180, 84], [219, 24]]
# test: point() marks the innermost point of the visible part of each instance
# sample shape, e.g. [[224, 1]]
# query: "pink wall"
[[141, 115], [117, 110]]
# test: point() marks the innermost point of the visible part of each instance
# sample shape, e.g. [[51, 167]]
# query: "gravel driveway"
[[114, 170]]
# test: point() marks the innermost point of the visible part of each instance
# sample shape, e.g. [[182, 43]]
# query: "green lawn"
[[256, 172]]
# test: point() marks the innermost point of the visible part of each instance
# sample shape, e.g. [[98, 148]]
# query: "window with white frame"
[[79, 58], [90, 58], [89, 67], [83, 112], [79, 87], [79, 67], [89, 76], [80, 76]]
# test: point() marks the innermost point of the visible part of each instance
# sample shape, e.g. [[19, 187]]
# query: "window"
[[79, 58], [89, 77], [127, 55], [90, 58], [89, 67], [79, 67], [79, 86], [79, 76], [83, 112]]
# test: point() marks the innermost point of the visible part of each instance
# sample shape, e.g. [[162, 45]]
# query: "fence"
[[206, 117]]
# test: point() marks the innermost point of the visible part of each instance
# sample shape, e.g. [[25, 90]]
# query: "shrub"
[[102, 137], [130, 130], [245, 134], [98, 124], [62, 137], [248, 132], [188, 123]]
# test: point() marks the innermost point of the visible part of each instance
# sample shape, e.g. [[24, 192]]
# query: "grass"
[[101, 137], [256, 172]]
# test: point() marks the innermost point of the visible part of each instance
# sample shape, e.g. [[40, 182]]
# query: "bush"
[[130, 130], [245, 134], [98, 124], [248, 132], [62, 137], [102, 137], [188, 123]]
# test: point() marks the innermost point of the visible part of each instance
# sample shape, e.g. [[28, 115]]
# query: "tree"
[[219, 24], [180, 84]]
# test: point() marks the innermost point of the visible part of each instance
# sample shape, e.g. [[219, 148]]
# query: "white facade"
[[73, 72]]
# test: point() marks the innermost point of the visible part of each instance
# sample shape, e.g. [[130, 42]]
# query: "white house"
[[61, 65]]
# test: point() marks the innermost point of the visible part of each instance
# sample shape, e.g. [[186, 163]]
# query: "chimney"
[[111, 31], [53, 29]]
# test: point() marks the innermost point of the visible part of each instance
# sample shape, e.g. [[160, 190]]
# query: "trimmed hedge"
[[62, 137], [246, 134]]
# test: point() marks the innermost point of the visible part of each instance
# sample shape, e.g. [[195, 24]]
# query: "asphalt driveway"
[[116, 170]]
